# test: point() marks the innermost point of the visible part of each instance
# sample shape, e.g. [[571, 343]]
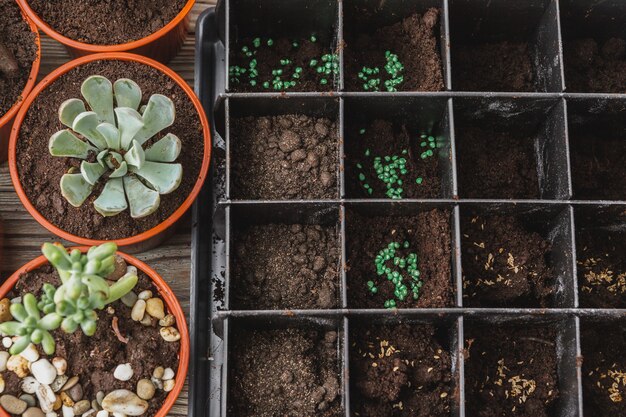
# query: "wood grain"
[[23, 236]]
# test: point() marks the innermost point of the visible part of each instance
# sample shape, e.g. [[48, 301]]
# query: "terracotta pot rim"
[[32, 78], [53, 76], [164, 291], [105, 48]]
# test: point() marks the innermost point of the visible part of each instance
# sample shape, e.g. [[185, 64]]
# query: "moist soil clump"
[[594, 67], [496, 164], [40, 173], [500, 66], [598, 170], [380, 139], [399, 371], [428, 237], [93, 359], [601, 269], [414, 40], [16, 36], [511, 371], [505, 264], [284, 372], [284, 157], [604, 370], [279, 266], [107, 22]]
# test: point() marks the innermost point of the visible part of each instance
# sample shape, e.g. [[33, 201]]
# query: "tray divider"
[[345, 375], [445, 44], [460, 366]]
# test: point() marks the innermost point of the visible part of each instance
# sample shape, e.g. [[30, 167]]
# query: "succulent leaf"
[[127, 93], [69, 109], [86, 124], [135, 156], [120, 171], [122, 286], [112, 200], [98, 91], [142, 200], [91, 171], [159, 114], [111, 134], [164, 178], [65, 144], [167, 149], [129, 123], [102, 158], [75, 189]]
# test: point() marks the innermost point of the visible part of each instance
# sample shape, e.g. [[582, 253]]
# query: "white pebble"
[[123, 372], [67, 411], [60, 365], [7, 342], [102, 413], [144, 295], [168, 373], [1, 384], [4, 358], [169, 334], [31, 354], [169, 385], [138, 311], [29, 385], [43, 371], [16, 300], [52, 414]]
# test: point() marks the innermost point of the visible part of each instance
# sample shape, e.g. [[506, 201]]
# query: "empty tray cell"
[[601, 256], [505, 45], [399, 257], [284, 257], [284, 149], [597, 132], [398, 147], [283, 46], [402, 369], [594, 45], [394, 45], [517, 256], [511, 148], [284, 369]]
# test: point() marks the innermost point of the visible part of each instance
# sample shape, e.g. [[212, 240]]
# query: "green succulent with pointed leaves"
[[110, 139], [83, 291]]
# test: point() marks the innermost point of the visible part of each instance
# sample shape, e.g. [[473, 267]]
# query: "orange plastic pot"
[[6, 121], [149, 238], [166, 294], [162, 45]]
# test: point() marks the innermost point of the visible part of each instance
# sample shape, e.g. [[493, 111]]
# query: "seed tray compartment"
[[551, 119]]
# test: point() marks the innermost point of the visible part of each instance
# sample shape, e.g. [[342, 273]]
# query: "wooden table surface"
[[23, 236]]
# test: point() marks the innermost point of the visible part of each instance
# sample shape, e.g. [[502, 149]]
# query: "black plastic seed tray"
[[565, 129]]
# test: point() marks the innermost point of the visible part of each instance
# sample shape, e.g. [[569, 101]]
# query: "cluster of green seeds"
[[405, 268], [286, 75], [394, 69]]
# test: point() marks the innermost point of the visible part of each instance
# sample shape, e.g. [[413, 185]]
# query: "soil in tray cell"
[[604, 370], [504, 264], [400, 57], [399, 371], [496, 164], [386, 160], [280, 266], [595, 67], [284, 157], [401, 262], [510, 371], [284, 372], [601, 269]]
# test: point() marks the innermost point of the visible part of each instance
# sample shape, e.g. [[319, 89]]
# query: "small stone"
[[7, 342], [95, 405], [4, 358], [157, 382], [90, 413], [119, 415], [52, 414], [168, 320], [29, 385], [125, 402], [145, 389], [57, 404], [43, 371], [123, 372], [168, 385], [81, 407], [19, 365], [154, 307], [120, 269], [58, 383], [60, 365], [5, 312], [2, 384], [144, 295], [76, 392], [29, 399], [102, 413], [138, 311], [100, 397], [67, 411], [12, 404], [31, 354], [169, 334], [70, 383], [168, 374], [130, 299], [33, 412], [158, 372], [16, 300], [66, 399], [148, 320]]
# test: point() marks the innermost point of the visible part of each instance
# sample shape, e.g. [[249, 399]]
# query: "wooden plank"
[[23, 236]]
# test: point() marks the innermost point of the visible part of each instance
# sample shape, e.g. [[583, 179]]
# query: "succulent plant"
[[84, 290], [110, 142]]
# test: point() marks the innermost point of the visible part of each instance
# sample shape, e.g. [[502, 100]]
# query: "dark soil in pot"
[[496, 164], [501, 66], [601, 269], [415, 41], [595, 67], [604, 370], [108, 22], [94, 359], [399, 371], [505, 264], [510, 371], [40, 172], [383, 139], [17, 38], [284, 157], [280, 266], [428, 237], [284, 372]]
